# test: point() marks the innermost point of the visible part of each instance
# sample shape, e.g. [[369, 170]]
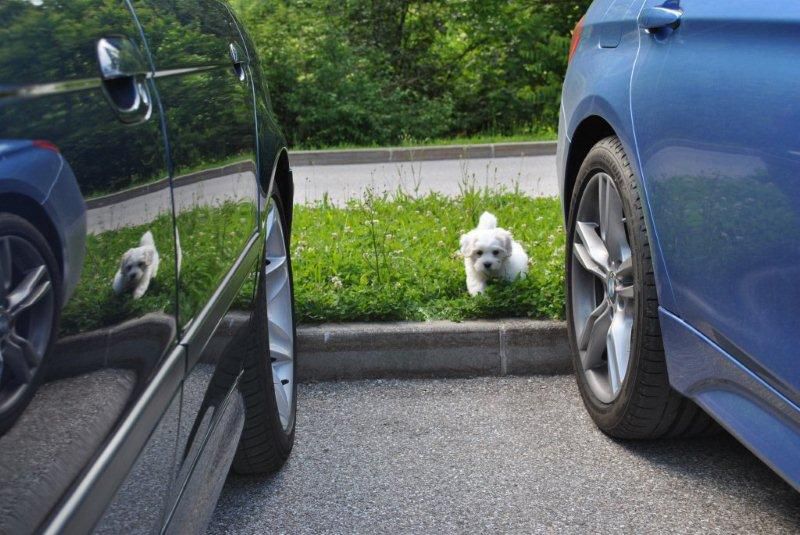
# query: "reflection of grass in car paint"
[[211, 237], [721, 221], [395, 258]]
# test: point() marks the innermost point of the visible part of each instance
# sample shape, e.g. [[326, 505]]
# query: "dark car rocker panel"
[[125, 157], [744, 377]]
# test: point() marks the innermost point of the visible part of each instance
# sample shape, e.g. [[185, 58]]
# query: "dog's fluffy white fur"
[[137, 268], [491, 252]]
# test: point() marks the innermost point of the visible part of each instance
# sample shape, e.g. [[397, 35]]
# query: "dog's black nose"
[[487, 264], [132, 276]]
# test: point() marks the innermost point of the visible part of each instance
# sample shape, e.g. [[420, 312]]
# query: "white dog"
[[490, 252], [137, 268]]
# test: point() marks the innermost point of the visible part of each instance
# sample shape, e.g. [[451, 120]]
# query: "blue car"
[[679, 170]]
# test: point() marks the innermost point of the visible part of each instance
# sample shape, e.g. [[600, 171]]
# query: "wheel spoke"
[[618, 348], [29, 291], [282, 401], [274, 262], [17, 360], [275, 288], [5, 267], [279, 352], [592, 252], [625, 291], [32, 357], [612, 220], [625, 269], [592, 340], [603, 208]]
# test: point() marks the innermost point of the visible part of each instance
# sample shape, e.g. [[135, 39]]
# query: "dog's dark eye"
[[479, 253], [141, 264], [495, 252]]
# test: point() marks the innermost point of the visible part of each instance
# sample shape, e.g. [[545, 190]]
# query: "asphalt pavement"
[[533, 175], [513, 454]]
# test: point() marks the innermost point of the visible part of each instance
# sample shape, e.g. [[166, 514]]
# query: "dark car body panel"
[[133, 427]]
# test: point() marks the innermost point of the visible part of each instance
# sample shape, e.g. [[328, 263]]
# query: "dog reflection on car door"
[[138, 266]]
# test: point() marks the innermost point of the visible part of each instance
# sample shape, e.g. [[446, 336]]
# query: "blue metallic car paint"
[[707, 113], [43, 176], [753, 411]]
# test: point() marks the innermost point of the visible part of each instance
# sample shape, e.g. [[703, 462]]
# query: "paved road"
[[535, 175], [495, 455]]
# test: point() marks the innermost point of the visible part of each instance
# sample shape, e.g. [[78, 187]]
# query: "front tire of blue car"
[[612, 307]]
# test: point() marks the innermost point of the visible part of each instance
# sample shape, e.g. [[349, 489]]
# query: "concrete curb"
[[421, 349], [405, 154]]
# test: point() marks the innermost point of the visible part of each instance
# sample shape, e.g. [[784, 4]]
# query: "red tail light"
[[576, 38], [44, 144]]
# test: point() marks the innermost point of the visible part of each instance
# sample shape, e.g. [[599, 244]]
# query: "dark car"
[[146, 311]]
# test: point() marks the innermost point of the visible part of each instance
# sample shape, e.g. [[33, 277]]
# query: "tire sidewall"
[[602, 159]]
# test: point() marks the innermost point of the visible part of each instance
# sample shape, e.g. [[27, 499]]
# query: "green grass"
[[378, 258], [214, 235], [387, 258]]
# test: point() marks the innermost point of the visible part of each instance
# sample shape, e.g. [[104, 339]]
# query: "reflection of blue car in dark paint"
[[36, 182], [679, 169]]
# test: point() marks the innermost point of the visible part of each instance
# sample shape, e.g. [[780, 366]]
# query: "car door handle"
[[124, 72], [652, 19], [239, 60]]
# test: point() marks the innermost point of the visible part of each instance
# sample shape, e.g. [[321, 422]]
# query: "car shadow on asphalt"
[[723, 462]]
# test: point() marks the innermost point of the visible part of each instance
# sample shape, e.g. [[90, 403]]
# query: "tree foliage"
[[378, 71]]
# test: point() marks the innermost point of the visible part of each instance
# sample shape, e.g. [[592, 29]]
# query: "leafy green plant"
[[378, 258], [378, 72]]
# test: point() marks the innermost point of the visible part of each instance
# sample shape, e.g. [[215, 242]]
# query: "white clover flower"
[[336, 282]]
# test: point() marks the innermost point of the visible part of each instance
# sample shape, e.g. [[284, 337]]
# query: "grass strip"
[[395, 257]]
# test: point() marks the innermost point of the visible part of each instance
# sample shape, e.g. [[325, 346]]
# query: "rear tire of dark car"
[[268, 380], [627, 393], [30, 290]]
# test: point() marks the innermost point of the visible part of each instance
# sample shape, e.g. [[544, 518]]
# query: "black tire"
[[646, 406], [265, 445], [14, 397]]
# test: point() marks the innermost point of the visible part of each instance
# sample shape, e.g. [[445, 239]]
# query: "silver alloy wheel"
[[279, 317], [26, 311], [602, 288]]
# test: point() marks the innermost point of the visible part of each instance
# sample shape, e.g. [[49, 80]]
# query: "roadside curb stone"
[[406, 154], [330, 352]]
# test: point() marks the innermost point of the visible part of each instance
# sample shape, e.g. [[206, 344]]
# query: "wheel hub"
[[601, 288], [611, 286]]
